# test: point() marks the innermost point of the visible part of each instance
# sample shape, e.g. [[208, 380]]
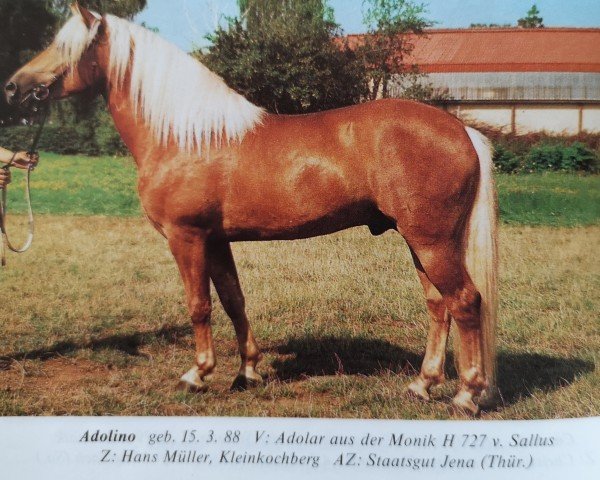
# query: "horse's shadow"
[[128, 344], [519, 374]]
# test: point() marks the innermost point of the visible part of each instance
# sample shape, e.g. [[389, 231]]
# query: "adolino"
[[110, 436]]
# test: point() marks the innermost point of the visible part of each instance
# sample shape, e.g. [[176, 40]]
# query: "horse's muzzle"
[[11, 89], [25, 101], [22, 89]]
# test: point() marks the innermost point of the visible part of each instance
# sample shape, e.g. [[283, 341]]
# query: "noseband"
[[39, 93]]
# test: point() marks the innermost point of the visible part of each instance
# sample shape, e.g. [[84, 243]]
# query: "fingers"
[[24, 160], [4, 177]]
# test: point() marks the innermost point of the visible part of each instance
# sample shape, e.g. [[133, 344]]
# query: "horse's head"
[[73, 63]]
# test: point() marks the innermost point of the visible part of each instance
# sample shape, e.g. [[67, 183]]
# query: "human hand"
[[25, 160]]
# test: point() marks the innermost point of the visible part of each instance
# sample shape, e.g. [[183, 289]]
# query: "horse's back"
[[385, 146], [381, 129]]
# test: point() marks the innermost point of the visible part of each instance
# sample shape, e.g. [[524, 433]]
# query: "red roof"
[[506, 50]]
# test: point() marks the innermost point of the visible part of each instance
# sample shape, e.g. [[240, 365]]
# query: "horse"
[[213, 168]]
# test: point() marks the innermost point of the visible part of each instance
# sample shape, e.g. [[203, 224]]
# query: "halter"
[[39, 94]]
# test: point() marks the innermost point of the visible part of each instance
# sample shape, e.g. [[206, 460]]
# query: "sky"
[[186, 22]]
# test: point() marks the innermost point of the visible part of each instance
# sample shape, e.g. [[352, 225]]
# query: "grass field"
[[94, 319]]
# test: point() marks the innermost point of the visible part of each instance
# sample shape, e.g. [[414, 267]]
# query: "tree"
[[532, 20], [120, 8], [390, 24], [260, 14], [286, 56], [490, 25], [26, 26]]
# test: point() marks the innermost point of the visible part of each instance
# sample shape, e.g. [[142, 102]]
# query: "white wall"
[[496, 116], [556, 119], [591, 118], [551, 119]]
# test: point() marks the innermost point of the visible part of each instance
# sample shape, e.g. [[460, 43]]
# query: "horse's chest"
[[177, 199]]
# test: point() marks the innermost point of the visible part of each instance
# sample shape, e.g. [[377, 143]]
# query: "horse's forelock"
[[74, 38]]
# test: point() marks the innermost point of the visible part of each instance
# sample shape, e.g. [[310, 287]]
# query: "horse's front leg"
[[225, 278], [189, 249]]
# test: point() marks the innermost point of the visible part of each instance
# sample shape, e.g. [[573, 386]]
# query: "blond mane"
[[176, 95]]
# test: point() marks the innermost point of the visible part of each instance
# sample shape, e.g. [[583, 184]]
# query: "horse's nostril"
[[10, 88]]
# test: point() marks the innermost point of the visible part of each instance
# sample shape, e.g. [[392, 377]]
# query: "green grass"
[[74, 185], [78, 185], [557, 199]]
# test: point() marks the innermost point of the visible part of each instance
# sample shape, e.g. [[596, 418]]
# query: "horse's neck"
[[136, 135]]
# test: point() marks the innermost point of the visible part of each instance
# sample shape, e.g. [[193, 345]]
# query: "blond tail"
[[482, 255]]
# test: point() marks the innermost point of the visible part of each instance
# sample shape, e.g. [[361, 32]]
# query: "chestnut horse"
[[213, 168]]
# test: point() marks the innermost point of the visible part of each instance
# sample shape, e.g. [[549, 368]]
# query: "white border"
[[52, 448]]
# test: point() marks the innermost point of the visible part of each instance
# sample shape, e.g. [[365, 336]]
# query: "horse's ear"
[[91, 19]]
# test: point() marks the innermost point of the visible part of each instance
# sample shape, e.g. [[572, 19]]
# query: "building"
[[518, 80]]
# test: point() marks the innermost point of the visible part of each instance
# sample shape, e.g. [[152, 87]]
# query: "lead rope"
[[6, 243], [30, 223]]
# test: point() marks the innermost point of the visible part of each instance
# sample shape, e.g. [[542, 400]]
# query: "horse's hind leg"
[[432, 369], [444, 266], [189, 249], [225, 278]]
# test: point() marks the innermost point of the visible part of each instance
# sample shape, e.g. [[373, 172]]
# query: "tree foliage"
[[258, 15], [490, 25], [390, 24], [282, 55], [532, 19], [120, 8], [26, 26]]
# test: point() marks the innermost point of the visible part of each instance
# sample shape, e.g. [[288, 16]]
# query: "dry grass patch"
[[94, 323]]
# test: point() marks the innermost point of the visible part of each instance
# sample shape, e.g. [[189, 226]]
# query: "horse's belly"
[[302, 226]]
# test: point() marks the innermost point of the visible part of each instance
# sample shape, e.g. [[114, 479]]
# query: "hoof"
[[490, 398], [244, 382], [192, 383], [463, 404], [416, 389]]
